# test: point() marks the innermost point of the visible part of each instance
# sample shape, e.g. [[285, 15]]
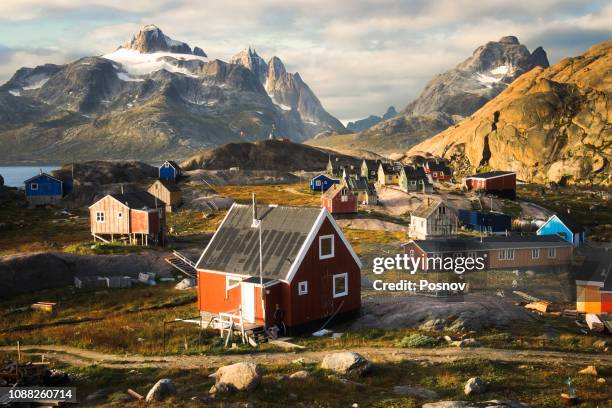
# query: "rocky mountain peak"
[[249, 58], [509, 39], [151, 39], [276, 68]]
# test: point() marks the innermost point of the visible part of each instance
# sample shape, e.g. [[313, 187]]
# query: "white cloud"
[[359, 56]]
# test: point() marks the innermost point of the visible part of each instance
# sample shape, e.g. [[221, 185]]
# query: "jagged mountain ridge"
[[137, 104], [550, 125], [289, 92], [366, 123], [448, 97]]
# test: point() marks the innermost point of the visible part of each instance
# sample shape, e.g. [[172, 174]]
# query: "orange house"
[[594, 283]]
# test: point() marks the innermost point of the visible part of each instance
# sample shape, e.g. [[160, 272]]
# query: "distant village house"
[[167, 191], [43, 189], [499, 183], [369, 169], [170, 170], [486, 222], [438, 170], [322, 182], [388, 174], [413, 178], [338, 199], [564, 226], [433, 219], [364, 190]]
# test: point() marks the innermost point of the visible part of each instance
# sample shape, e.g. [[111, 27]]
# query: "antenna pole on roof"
[[121, 188]]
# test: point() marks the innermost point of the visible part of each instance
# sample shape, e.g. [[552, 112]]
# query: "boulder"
[[243, 376], [185, 284], [347, 363], [300, 374], [418, 392], [466, 343], [475, 385], [161, 390]]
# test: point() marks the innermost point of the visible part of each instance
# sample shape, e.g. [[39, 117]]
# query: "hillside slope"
[[550, 125], [265, 155]]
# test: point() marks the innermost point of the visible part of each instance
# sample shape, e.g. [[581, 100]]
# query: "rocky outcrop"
[[467, 404], [550, 125], [162, 389], [449, 97], [475, 385]]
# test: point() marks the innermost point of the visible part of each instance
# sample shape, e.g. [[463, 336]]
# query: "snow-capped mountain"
[[151, 98], [448, 97]]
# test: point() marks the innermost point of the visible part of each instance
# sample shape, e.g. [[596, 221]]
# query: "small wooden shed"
[[43, 189], [170, 170], [339, 199], [168, 192], [135, 218]]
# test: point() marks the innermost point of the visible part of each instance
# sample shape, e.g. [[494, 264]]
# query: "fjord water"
[[14, 176]]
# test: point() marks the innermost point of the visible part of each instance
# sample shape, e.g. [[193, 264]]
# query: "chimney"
[[255, 223]]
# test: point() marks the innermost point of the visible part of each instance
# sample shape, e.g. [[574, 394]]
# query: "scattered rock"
[[300, 361], [249, 405], [300, 374], [162, 389], [475, 385], [419, 392], [466, 343], [220, 389], [590, 370], [242, 376], [601, 344], [601, 381], [187, 283], [281, 377], [347, 363]]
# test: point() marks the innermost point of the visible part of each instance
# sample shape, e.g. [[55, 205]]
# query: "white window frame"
[[166, 165], [34, 186], [333, 249], [119, 215], [471, 255], [343, 276], [303, 288], [506, 255], [318, 183], [229, 285], [552, 253], [100, 217], [344, 198], [535, 253]]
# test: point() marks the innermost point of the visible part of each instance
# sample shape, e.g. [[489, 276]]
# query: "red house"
[[339, 199], [500, 183], [438, 170], [309, 270]]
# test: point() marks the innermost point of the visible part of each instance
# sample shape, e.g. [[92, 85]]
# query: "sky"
[[358, 56]]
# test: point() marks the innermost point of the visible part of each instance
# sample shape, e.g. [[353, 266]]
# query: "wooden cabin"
[[369, 169], [438, 170], [322, 182], [498, 252], [43, 189], [414, 179], [363, 190], [170, 170], [309, 271], [564, 226], [339, 200], [388, 174], [433, 219], [137, 218], [594, 282], [499, 183], [168, 192]]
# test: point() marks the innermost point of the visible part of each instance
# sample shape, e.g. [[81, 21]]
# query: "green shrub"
[[418, 340]]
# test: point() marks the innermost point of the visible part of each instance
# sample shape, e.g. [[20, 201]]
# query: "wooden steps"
[[182, 263]]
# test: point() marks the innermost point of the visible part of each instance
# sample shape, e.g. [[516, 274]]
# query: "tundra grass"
[[282, 194], [538, 385]]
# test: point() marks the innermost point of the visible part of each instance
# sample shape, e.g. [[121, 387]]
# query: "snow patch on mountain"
[[495, 75], [125, 77], [15, 92], [280, 105], [136, 63]]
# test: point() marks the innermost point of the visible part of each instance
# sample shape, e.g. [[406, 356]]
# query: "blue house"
[[565, 227], [43, 189], [322, 182], [169, 170], [489, 222]]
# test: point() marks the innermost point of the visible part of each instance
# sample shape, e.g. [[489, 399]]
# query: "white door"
[[248, 302]]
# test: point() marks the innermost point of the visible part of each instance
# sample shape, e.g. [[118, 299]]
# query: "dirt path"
[[80, 357]]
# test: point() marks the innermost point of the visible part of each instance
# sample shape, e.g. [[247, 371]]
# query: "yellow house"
[[388, 174]]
